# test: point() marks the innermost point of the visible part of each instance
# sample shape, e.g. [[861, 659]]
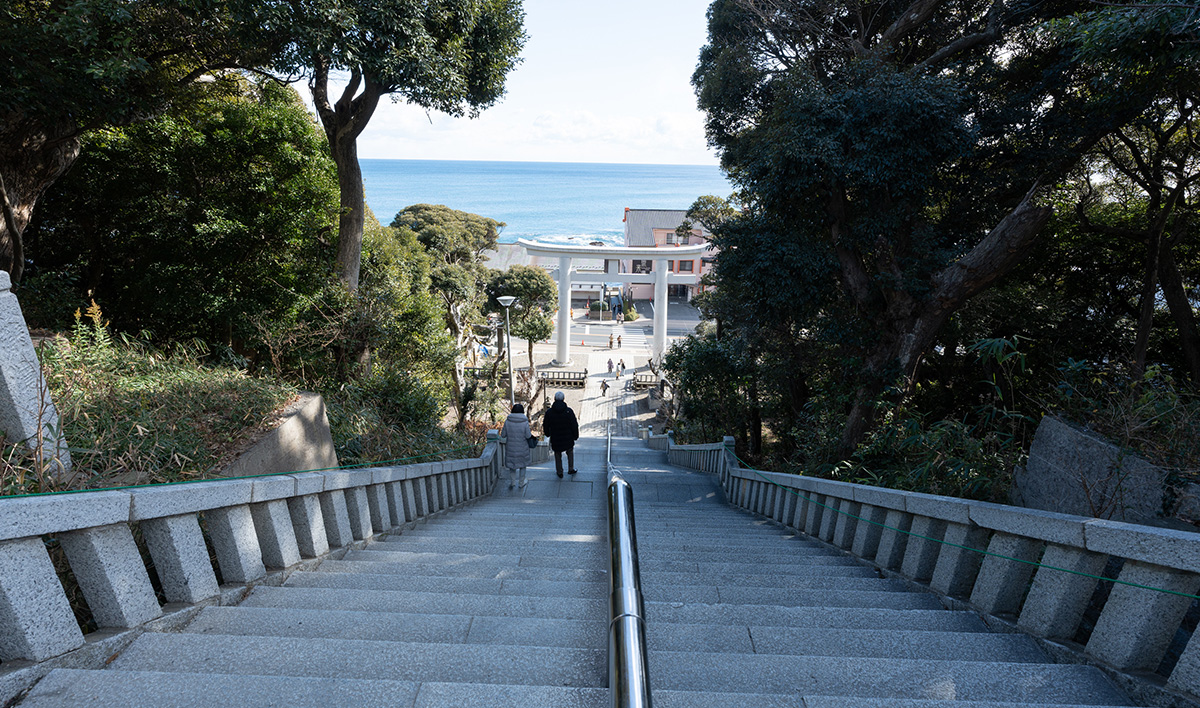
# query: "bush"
[[1153, 415], [599, 306], [631, 312], [134, 414]]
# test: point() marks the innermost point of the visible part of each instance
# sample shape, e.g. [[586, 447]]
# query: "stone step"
[[481, 569], [809, 566], [400, 627], [364, 659], [822, 641], [791, 597], [854, 702], [470, 586], [816, 617], [897, 644], [824, 576], [435, 535], [532, 560], [429, 602], [529, 545], [883, 678], [76, 688]]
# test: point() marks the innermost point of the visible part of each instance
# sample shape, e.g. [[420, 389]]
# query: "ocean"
[[555, 202]]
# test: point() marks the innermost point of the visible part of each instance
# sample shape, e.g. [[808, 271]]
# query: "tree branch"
[[988, 36], [913, 17], [17, 265]]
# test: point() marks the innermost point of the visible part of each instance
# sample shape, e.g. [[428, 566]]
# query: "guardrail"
[[258, 530], [1035, 571], [628, 677]]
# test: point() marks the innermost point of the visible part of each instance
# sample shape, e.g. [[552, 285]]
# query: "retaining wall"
[[1135, 625]]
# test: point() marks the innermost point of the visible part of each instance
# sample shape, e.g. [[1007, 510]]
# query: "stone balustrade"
[[1038, 573], [252, 527]]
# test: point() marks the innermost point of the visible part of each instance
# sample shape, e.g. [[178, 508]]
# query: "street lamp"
[[506, 301]]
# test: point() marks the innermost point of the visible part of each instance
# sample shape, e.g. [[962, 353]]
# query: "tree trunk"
[[1181, 310], [343, 122], [1146, 306], [908, 329], [32, 158], [352, 213]]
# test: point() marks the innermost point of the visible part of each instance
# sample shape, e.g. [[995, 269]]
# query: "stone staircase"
[[743, 612], [504, 603]]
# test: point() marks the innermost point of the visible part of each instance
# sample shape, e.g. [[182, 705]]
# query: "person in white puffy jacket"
[[516, 449]]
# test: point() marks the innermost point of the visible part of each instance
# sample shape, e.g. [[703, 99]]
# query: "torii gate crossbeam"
[[565, 253]]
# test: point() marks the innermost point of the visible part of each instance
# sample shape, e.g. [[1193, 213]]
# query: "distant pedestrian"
[[561, 426], [618, 341], [516, 445], [610, 366], [621, 366], [603, 388], [610, 341]]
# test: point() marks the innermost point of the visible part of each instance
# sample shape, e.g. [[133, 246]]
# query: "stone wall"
[[1072, 471], [302, 441]]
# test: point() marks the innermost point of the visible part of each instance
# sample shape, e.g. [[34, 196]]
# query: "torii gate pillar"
[[562, 356], [660, 310]]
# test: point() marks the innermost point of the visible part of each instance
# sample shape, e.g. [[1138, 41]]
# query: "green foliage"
[[532, 314], [190, 224], [631, 313], [111, 62], [1152, 414], [389, 415], [135, 414], [711, 376], [449, 56], [328, 338]]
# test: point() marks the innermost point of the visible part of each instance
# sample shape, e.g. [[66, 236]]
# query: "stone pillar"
[[180, 557], [868, 532], [660, 310], [959, 559], [235, 542], [110, 571], [360, 513], [1001, 583], [921, 555], [276, 533], [25, 405], [893, 539], [36, 621], [309, 526], [1057, 600], [562, 356], [1136, 625]]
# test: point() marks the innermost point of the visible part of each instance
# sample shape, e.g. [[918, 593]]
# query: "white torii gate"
[[660, 278]]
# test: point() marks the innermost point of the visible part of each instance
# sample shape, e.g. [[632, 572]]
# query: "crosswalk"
[[631, 337]]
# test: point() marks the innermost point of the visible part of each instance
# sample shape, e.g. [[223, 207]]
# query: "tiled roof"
[[640, 224]]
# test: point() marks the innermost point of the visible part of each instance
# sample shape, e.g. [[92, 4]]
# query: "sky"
[[599, 82]]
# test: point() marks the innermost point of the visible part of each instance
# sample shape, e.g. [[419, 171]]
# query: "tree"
[[450, 56], [455, 242], [70, 67], [532, 315], [892, 156], [1154, 163], [198, 221]]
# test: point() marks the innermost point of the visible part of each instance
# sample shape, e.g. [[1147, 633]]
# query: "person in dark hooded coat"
[[561, 426]]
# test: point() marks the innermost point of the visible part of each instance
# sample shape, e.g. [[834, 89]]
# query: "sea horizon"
[[553, 202]]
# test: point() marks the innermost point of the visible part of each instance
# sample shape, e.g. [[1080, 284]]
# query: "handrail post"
[[628, 678]]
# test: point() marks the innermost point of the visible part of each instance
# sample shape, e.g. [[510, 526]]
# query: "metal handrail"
[[628, 678]]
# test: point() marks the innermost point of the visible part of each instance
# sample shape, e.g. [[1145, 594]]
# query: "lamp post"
[[506, 301]]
